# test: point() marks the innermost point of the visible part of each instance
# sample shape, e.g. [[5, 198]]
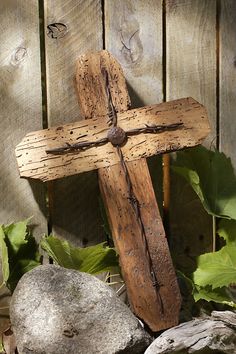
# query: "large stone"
[[62, 311], [215, 334]]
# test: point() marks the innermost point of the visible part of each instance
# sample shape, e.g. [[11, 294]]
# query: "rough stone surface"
[[215, 334], [57, 310]]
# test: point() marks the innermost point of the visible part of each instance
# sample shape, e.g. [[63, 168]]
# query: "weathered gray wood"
[[36, 161], [190, 67], [133, 34], [227, 61], [21, 109], [204, 335], [74, 204], [191, 53]]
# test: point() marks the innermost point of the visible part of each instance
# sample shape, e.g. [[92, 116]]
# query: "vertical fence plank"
[[21, 109], [133, 34], [191, 71], [72, 28], [227, 61], [191, 53]]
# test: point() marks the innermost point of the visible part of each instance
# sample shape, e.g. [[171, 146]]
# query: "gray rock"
[[215, 334], [63, 311]]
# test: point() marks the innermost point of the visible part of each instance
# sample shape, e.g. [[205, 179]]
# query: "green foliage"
[[4, 257], [211, 175], [19, 252], [93, 259], [216, 269], [2, 350], [227, 230], [219, 295]]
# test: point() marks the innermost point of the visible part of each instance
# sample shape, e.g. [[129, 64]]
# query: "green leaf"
[[217, 269], [22, 250], [2, 350], [93, 259], [4, 257], [218, 295], [227, 230], [211, 175], [16, 234]]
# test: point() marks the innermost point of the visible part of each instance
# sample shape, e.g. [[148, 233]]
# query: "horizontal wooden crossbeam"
[[34, 161]]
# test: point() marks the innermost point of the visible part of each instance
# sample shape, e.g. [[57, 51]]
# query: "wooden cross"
[[116, 141]]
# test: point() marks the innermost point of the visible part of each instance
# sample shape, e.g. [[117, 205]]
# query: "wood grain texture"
[[129, 244], [35, 162], [125, 228], [72, 27], [191, 54], [227, 46], [133, 34], [21, 109], [201, 335], [191, 69]]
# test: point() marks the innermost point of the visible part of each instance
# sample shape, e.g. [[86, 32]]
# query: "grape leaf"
[[218, 295], [211, 175], [22, 251], [16, 234], [4, 257], [93, 259], [227, 230], [217, 269]]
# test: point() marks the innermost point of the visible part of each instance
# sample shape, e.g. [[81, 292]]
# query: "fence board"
[[227, 62], [191, 69], [21, 109], [72, 28], [191, 53], [133, 34]]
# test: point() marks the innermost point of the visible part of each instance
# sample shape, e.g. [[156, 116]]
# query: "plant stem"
[[213, 233]]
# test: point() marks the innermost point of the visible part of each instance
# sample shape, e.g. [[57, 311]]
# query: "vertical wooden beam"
[[191, 70], [159, 308], [71, 28], [133, 34], [21, 109], [227, 60]]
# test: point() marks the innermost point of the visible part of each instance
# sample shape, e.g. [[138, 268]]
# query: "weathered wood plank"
[[133, 34], [191, 70], [158, 308], [191, 53], [227, 47], [72, 28], [201, 335], [36, 161], [21, 109]]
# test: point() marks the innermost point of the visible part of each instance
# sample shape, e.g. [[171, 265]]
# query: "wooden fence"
[[168, 49]]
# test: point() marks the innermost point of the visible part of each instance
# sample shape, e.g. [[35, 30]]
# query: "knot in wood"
[[116, 136]]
